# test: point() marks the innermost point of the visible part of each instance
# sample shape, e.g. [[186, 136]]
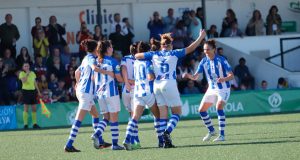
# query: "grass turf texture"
[[257, 137]]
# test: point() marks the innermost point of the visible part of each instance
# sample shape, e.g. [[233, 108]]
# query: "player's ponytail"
[[143, 47], [211, 43], [133, 49], [103, 46], [166, 39], [89, 45]]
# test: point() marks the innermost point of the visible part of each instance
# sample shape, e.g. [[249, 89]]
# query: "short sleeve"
[[179, 53], [200, 67], [123, 61], [148, 55], [116, 67], [226, 66], [33, 75], [21, 75], [149, 67]]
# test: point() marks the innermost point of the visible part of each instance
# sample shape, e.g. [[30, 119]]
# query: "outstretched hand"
[[202, 34]]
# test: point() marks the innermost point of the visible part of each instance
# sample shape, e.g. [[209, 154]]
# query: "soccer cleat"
[[71, 149], [117, 147], [26, 126], [220, 138], [35, 126], [104, 145], [127, 146], [136, 146], [95, 139], [209, 135], [168, 140]]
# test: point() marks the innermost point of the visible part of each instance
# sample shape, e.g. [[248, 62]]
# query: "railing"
[[284, 52]]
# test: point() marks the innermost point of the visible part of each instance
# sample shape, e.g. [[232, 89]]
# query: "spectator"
[[180, 35], [14, 86], [70, 77], [273, 21], [53, 84], [190, 88], [73, 63], [71, 93], [9, 34], [57, 68], [9, 61], [66, 55], [39, 68], [23, 57], [4, 94], [255, 25], [242, 73], [42, 83], [234, 31], [46, 97], [199, 14], [129, 36], [98, 36], [227, 21], [186, 18], [169, 21], [59, 94], [212, 32], [82, 35], [220, 52], [29, 88], [195, 25], [41, 44], [282, 83], [155, 25], [56, 52], [37, 27], [264, 85], [55, 34], [117, 21], [118, 40]]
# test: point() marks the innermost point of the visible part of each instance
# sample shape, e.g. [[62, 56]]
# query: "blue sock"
[[207, 121], [129, 131], [221, 118], [136, 134], [114, 128], [172, 123], [159, 132], [73, 133]]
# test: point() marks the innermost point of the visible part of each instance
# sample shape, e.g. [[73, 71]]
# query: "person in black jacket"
[[55, 34]]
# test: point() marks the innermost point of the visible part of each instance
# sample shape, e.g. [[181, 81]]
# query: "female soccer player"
[[84, 92], [29, 88], [165, 86], [218, 73], [107, 91], [143, 95]]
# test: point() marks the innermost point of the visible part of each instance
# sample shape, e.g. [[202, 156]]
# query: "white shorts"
[[109, 104], [86, 101], [166, 93], [213, 96], [127, 99], [148, 101]]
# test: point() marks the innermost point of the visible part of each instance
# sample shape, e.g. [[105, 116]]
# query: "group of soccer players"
[[149, 77]]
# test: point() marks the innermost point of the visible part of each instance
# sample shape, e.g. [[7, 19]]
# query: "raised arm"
[[196, 43], [139, 56]]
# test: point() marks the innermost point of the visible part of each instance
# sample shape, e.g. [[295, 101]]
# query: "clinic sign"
[[8, 117], [295, 6]]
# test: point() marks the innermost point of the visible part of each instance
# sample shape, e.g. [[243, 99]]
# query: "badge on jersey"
[[118, 68]]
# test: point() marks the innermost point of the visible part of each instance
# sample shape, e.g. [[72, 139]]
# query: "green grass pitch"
[[254, 138]]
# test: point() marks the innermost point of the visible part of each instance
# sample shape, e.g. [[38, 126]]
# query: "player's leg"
[[25, 116], [223, 96], [206, 102], [33, 117], [155, 111]]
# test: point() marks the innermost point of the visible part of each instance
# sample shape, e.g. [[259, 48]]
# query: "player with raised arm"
[[84, 90], [165, 85], [218, 74], [107, 92]]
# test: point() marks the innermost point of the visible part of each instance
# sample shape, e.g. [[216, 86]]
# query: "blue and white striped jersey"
[[85, 84], [216, 68], [164, 62], [128, 61], [142, 86], [106, 86]]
